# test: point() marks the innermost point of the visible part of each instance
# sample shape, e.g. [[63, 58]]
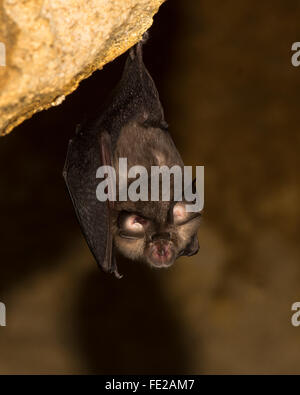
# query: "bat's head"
[[159, 237]]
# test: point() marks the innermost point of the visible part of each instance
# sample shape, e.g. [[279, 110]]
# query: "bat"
[[133, 127]]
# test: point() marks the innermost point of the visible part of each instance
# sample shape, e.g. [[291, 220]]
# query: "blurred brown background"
[[231, 98]]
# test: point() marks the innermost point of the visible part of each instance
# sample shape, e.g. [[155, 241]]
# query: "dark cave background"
[[231, 98]]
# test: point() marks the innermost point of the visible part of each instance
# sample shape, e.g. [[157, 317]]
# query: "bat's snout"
[[162, 254]]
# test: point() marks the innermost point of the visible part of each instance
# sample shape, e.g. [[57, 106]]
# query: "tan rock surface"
[[52, 45]]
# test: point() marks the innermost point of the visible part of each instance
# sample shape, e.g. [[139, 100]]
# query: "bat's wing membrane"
[[82, 162]]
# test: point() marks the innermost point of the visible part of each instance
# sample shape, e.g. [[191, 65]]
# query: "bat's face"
[[160, 238]]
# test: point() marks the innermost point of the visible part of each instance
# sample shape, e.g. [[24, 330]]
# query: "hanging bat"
[[132, 127]]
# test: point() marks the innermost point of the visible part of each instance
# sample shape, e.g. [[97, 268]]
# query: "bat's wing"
[[86, 152]]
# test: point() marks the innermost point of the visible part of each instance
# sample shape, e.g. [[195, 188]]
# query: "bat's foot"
[[145, 36]]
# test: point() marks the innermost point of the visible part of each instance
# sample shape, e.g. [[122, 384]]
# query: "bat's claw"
[[118, 275]]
